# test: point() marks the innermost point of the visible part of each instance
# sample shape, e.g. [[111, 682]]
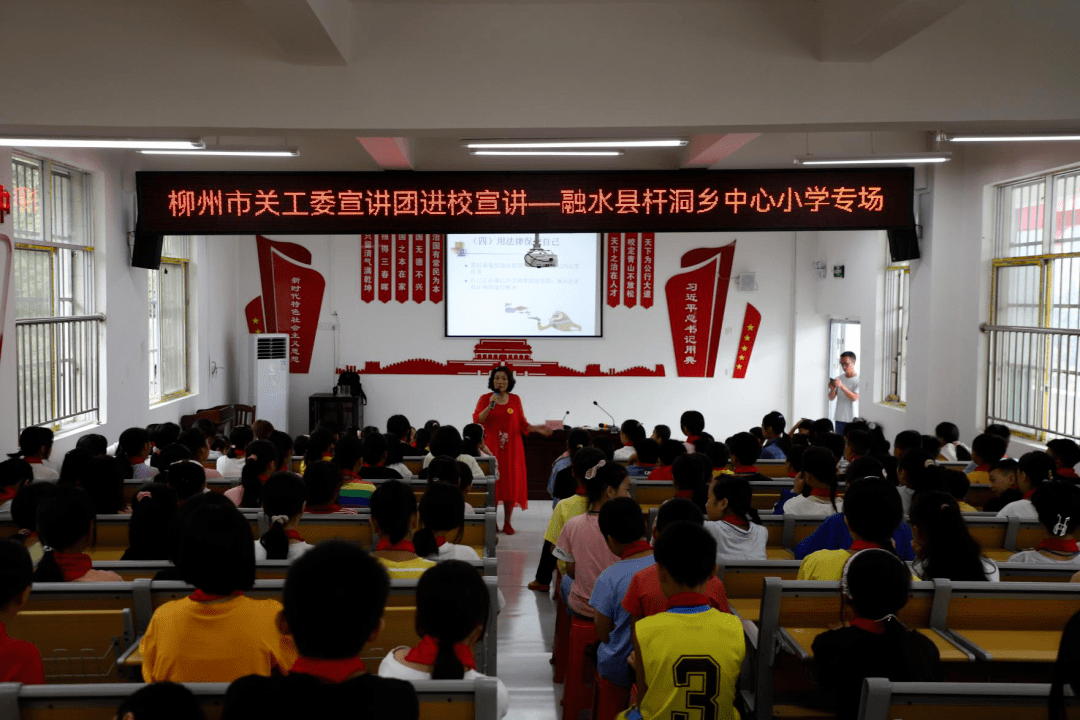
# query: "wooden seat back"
[[264, 570], [883, 699], [487, 463], [76, 645]]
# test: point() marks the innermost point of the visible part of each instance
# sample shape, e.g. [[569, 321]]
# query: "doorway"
[[844, 336]]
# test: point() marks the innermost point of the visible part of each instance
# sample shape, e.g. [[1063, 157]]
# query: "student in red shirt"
[[669, 451], [20, 661]]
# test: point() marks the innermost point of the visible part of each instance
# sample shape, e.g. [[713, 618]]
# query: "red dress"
[[502, 433]]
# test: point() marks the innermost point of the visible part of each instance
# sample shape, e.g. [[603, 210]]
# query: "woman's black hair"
[[283, 443], [1066, 668], [740, 497], [375, 448], [187, 478], [609, 475], [97, 444], [472, 436], [510, 381], [921, 471], [669, 450], [16, 571], [216, 552], [320, 444], [103, 480], [393, 505], [31, 440], [163, 436], [873, 510], [1058, 505], [257, 459], [446, 441], [63, 518], [442, 509], [323, 481], [688, 473], [283, 495], [15, 471], [162, 700], [422, 438], [348, 452], [24, 507], [394, 455], [132, 442], [1038, 466], [451, 601], [863, 467], [194, 441], [432, 425], [949, 550], [239, 438], [821, 463], [151, 525], [442, 468]]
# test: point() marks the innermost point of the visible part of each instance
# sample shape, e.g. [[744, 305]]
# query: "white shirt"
[[1023, 509], [391, 667], [230, 467], [1034, 557], [990, 569], [812, 505], [469, 508], [450, 551], [467, 459], [948, 450], [405, 472], [295, 550], [44, 472], [624, 452], [735, 543]]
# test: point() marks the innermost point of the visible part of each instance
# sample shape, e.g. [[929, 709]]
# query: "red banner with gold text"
[[630, 267], [696, 299]]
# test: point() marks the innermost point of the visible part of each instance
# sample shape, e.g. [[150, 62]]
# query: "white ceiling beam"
[[310, 32], [862, 31], [707, 150]]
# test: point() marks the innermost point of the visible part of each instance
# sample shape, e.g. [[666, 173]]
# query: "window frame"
[[176, 262], [894, 333]]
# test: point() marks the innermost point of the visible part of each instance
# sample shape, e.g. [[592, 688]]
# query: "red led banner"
[[231, 203], [630, 258], [436, 248], [614, 267], [367, 268], [648, 254]]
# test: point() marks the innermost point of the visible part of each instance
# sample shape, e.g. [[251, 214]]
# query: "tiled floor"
[[527, 623]]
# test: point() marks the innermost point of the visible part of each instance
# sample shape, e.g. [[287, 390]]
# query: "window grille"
[[168, 303], [894, 339]]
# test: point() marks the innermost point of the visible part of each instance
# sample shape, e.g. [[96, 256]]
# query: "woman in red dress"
[[504, 424]]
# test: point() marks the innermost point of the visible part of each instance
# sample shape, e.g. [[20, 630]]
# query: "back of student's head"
[[648, 451], [194, 441], [348, 452], [216, 553], [261, 429], [323, 483], [907, 440], [446, 440], [858, 441], [584, 459], [604, 476], [260, 459], [472, 437], [688, 473], [283, 443], [704, 442], [398, 426], [676, 510], [774, 421], [24, 506], [669, 450], [300, 445], [441, 510], [921, 472], [930, 444], [16, 572], [821, 425], [393, 506], [320, 444], [718, 454], [1002, 431], [1037, 466], [821, 464], [442, 468], [34, 441], [988, 448], [1058, 506], [947, 432], [692, 422], [132, 443], [219, 443], [97, 444], [207, 427], [947, 549], [161, 701], [739, 496], [758, 433], [879, 444], [633, 430], [744, 448], [64, 518], [164, 434], [687, 552], [186, 477], [1065, 452], [334, 598], [283, 498], [239, 439], [73, 468], [606, 446], [873, 510], [423, 439], [15, 471], [103, 480], [863, 467], [833, 442], [451, 602], [794, 456], [662, 433], [621, 520], [153, 513]]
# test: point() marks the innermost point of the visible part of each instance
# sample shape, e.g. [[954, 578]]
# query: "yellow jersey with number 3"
[[692, 657]]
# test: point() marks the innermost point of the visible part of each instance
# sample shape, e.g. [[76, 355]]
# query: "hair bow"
[[279, 519], [591, 472], [143, 495]]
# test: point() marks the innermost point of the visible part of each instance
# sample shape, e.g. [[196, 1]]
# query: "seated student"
[[629, 433], [691, 474], [906, 440], [24, 510], [644, 596], [259, 463], [374, 456], [133, 449], [704, 441], [692, 424], [943, 545], [819, 474], [872, 513], [320, 448], [96, 444], [958, 485], [744, 451], [35, 447], [856, 444], [283, 499], [646, 459], [930, 445], [323, 485], [918, 472], [331, 615], [561, 482], [399, 427], [232, 463], [472, 441], [660, 433], [1032, 470], [196, 444], [834, 443], [393, 518], [446, 440], [833, 534], [567, 508], [1066, 669], [793, 468], [719, 458], [689, 638], [442, 524], [1066, 454], [73, 467], [66, 524], [216, 634], [394, 459], [349, 459], [20, 661], [161, 701], [873, 643], [581, 545], [187, 478], [162, 436], [776, 442], [153, 514], [952, 449], [219, 445], [623, 527], [421, 440], [1004, 488], [985, 449], [14, 473], [670, 450], [1058, 505], [733, 521], [452, 605]]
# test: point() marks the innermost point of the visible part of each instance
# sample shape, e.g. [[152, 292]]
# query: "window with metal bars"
[[58, 330], [168, 304], [1033, 372], [894, 336]]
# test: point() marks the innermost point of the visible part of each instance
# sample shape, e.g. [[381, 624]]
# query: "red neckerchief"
[[349, 474], [264, 478], [793, 474], [692, 439], [1029, 493], [323, 509], [9, 492], [33, 460], [645, 465], [1068, 473], [580, 491], [137, 460], [369, 465], [688, 494], [820, 492], [985, 467], [404, 545], [336, 671], [428, 649], [874, 626], [735, 520], [238, 453], [863, 545], [293, 535], [744, 469], [628, 444], [687, 599], [638, 546], [440, 541], [73, 565], [200, 596], [1060, 545]]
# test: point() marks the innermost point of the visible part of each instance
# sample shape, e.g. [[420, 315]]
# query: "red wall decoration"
[[750, 325], [647, 254], [7, 252], [629, 268], [367, 268], [630, 265], [400, 266], [696, 300], [5, 203], [291, 299]]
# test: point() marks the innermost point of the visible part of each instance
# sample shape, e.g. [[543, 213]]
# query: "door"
[[844, 336]]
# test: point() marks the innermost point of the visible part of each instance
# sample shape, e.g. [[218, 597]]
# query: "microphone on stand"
[[564, 419], [612, 425]]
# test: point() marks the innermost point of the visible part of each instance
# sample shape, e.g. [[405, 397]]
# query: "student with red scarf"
[[394, 520], [65, 524], [20, 661]]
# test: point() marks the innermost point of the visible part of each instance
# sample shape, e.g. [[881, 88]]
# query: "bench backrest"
[[264, 570], [487, 464], [76, 645], [883, 699]]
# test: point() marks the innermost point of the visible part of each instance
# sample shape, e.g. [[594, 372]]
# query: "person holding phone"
[[845, 391]]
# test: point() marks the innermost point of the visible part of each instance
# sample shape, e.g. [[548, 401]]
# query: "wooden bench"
[[77, 645], [264, 570], [488, 464], [439, 700], [883, 699]]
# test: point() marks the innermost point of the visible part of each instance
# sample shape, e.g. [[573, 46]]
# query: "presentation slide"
[[523, 285]]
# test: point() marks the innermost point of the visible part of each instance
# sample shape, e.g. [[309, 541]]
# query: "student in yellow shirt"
[[216, 634], [394, 520]]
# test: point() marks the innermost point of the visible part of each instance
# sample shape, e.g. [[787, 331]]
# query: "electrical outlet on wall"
[[327, 325]]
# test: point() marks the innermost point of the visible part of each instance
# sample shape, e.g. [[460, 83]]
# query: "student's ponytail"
[[239, 439], [393, 505], [950, 551], [442, 509], [451, 601], [257, 460], [31, 440], [64, 517], [283, 498], [739, 494]]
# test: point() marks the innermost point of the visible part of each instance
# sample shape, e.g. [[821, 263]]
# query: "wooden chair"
[[883, 699], [243, 414], [77, 645], [264, 570], [488, 464]]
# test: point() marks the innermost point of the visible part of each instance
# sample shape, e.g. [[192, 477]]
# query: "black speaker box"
[[146, 252], [903, 244]]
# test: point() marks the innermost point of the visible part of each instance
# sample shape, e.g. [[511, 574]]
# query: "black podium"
[[344, 410]]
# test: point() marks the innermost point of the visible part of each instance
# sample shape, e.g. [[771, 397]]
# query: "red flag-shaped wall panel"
[[613, 257], [401, 267], [751, 323], [386, 268], [436, 248], [648, 253], [419, 268], [696, 299], [630, 267], [367, 268]]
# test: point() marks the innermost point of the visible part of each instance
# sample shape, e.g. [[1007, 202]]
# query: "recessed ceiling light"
[[1015, 137], [107, 143], [220, 150], [565, 153], [902, 159], [554, 144]]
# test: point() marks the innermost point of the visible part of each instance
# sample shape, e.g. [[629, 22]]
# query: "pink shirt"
[[235, 494], [582, 544]]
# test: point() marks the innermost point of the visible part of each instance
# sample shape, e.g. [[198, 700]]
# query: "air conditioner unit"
[[269, 378]]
